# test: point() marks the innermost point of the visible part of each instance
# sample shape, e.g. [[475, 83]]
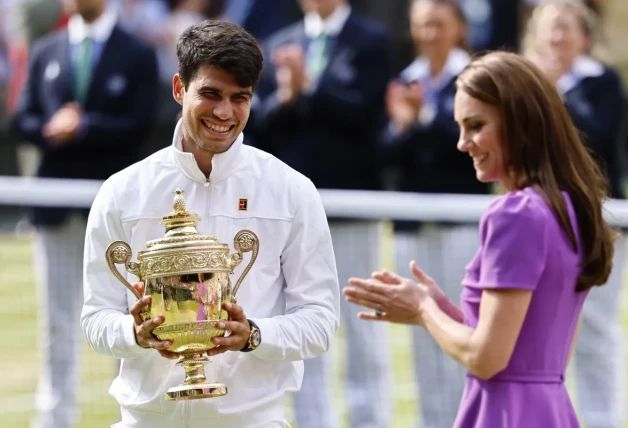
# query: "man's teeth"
[[478, 159], [215, 127]]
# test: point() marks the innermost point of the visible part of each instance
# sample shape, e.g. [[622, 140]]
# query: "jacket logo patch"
[[243, 205]]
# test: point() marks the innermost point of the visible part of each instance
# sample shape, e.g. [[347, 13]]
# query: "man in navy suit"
[[320, 105], [88, 104]]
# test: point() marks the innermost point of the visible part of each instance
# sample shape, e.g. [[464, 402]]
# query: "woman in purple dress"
[[544, 244]]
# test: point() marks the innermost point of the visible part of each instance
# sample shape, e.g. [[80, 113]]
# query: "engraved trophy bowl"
[[187, 276]]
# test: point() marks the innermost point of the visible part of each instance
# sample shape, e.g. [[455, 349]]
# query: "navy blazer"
[[329, 134], [597, 108], [426, 156], [119, 109]]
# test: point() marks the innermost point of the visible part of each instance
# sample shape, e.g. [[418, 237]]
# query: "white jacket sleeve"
[[311, 290], [105, 317]]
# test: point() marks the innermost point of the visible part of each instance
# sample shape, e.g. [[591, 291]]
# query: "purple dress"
[[524, 247]]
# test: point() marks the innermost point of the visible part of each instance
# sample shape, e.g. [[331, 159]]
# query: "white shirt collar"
[[582, 67], [223, 164], [99, 30], [419, 69], [332, 26]]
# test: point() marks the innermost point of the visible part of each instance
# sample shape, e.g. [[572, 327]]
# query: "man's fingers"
[[148, 339], [139, 287], [137, 307], [151, 324], [236, 311], [168, 354], [217, 351], [153, 342], [235, 327], [230, 342]]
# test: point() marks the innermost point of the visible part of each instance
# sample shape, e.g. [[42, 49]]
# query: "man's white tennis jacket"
[[292, 291]]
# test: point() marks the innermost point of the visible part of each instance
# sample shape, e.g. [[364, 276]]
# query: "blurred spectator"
[[8, 156], [394, 15], [184, 13], [88, 104], [564, 39], [596, 6], [420, 142], [5, 68], [321, 99], [261, 17], [36, 18], [160, 23], [30, 20], [21, 22], [493, 24]]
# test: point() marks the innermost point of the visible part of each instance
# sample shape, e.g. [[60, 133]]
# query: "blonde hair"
[[588, 21]]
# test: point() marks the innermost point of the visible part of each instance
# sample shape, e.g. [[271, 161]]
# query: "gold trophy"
[[187, 276]]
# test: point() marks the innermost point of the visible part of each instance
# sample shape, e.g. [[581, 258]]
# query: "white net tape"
[[27, 191]]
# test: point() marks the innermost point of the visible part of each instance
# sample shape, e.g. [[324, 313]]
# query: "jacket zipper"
[[187, 413], [187, 406], [204, 212]]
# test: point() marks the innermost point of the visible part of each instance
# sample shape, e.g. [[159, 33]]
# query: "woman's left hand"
[[399, 303]]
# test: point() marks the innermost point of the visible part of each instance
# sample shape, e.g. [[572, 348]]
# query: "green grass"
[[19, 355], [19, 359]]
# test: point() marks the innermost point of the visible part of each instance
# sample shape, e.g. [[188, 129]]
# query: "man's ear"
[[178, 88]]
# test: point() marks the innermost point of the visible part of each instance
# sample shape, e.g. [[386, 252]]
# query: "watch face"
[[256, 338]]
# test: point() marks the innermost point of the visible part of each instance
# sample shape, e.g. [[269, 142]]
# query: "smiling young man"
[[290, 296]]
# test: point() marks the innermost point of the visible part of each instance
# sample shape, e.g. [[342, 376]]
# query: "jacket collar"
[[332, 26], [99, 30], [419, 69], [582, 68], [223, 164]]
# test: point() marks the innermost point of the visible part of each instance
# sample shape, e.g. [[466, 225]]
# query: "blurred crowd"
[[355, 95]]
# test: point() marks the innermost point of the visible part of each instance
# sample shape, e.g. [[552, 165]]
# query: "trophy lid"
[[181, 229]]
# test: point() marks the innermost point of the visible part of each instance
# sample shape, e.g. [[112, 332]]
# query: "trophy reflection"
[[187, 276]]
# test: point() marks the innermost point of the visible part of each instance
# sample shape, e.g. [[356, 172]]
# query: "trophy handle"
[[244, 241], [119, 252]]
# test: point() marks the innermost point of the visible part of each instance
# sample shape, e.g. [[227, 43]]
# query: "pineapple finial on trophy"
[[180, 221], [178, 204]]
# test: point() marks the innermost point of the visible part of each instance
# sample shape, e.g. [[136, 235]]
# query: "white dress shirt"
[[292, 291], [99, 31], [332, 26]]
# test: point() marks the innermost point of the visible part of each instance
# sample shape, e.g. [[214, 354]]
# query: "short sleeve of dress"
[[514, 242]]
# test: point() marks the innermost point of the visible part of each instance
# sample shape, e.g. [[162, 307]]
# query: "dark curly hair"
[[223, 45]]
